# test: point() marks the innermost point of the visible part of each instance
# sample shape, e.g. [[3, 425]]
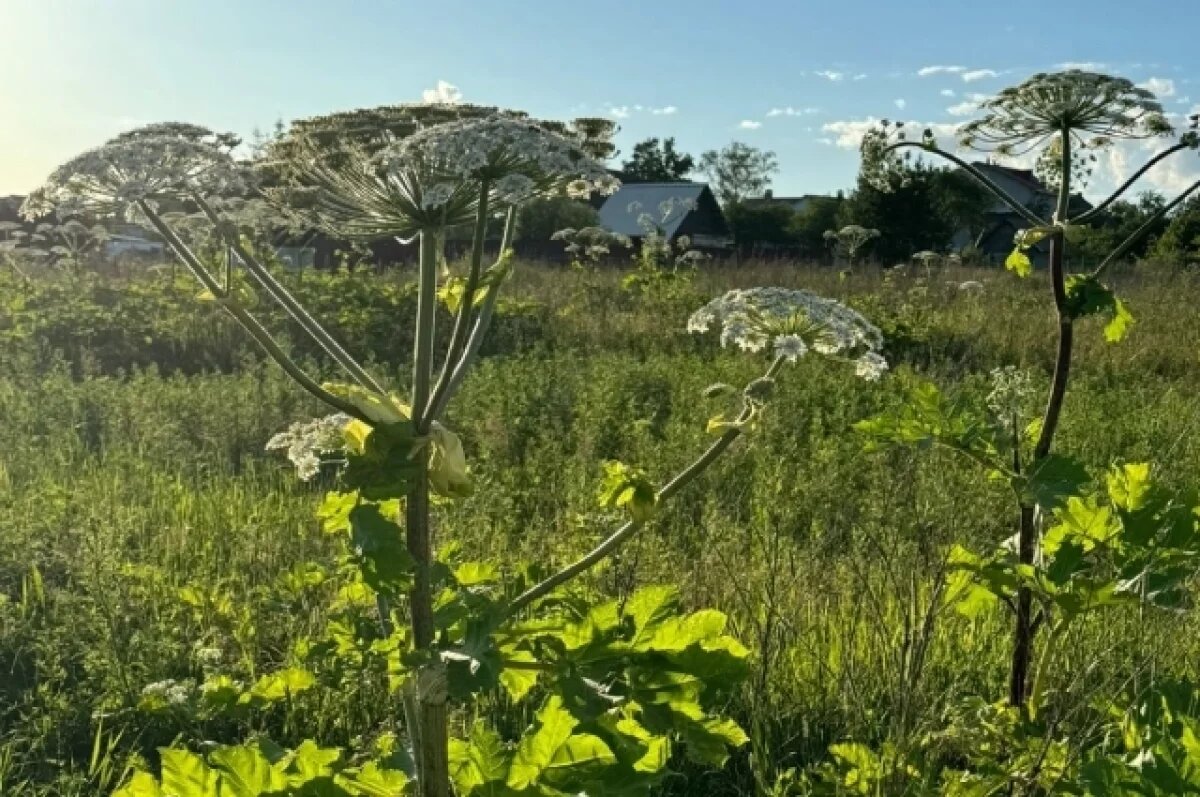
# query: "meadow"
[[147, 537]]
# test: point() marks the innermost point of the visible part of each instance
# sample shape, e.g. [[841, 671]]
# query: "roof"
[[621, 211], [1024, 186]]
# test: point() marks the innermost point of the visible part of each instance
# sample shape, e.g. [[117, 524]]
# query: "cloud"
[[666, 110], [947, 92], [926, 71], [860, 76], [968, 106], [750, 124], [1160, 86], [829, 74], [619, 111], [829, 142], [848, 133], [1086, 66], [978, 74], [790, 111], [445, 93], [901, 103]]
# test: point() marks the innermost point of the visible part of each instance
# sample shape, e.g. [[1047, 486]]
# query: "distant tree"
[[738, 171], [655, 161], [539, 219], [922, 215], [960, 201], [1091, 244], [760, 222], [808, 226], [1180, 242]]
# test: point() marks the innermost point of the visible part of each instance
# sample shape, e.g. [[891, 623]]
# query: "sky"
[[800, 78]]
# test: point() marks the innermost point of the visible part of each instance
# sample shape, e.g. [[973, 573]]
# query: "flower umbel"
[[793, 322], [308, 443]]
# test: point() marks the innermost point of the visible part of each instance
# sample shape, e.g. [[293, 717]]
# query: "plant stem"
[[285, 299], [466, 307], [982, 178], [1147, 166], [1141, 231], [431, 733], [482, 323], [1024, 631], [245, 319], [627, 531], [423, 344]]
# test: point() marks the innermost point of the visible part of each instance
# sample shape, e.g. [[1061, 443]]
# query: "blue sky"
[[705, 71]]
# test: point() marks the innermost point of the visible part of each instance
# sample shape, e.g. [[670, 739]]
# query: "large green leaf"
[[184, 774], [479, 765], [282, 685], [245, 772], [553, 752]]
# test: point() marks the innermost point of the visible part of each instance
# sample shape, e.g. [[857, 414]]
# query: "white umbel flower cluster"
[[309, 442], [1012, 391], [147, 164], [793, 322], [175, 693], [519, 158]]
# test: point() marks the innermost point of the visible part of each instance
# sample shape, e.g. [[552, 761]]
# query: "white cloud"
[[750, 124], [790, 111], [926, 71], [947, 92], [619, 111], [978, 74], [1160, 86], [901, 103], [445, 93], [666, 110], [860, 76], [829, 74], [968, 106], [829, 142], [848, 134], [1086, 66]]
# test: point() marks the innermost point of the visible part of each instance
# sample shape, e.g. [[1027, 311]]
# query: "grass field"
[[143, 526]]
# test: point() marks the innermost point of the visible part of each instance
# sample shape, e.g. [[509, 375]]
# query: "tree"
[[808, 226], [760, 222], [539, 219], [908, 218], [655, 161], [738, 171], [1180, 242]]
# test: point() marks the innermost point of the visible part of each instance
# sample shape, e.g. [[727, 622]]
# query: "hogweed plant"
[[1075, 550], [850, 241], [618, 685]]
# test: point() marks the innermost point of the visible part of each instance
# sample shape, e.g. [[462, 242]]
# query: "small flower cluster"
[[309, 442], [145, 165], [175, 693], [518, 158], [793, 322], [1012, 391], [589, 244]]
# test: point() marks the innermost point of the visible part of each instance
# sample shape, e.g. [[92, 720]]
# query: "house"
[[676, 209], [994, 239]]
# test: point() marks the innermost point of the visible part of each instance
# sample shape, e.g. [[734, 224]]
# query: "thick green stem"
[[1024, 630], [423, 344], [244, 318], [431, 736], [288, 302], [627, 531]]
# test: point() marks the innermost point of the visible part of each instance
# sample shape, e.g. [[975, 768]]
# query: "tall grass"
[[140, 517]]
